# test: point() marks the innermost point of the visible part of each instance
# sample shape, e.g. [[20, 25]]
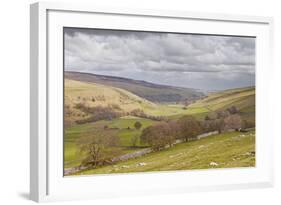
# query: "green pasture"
[[243, 99], [227, 150], [173, 110], [125, 130]]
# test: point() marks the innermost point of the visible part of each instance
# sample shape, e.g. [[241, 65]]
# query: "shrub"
[[137, 125]]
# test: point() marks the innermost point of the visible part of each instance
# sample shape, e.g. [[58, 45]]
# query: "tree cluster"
[[166, 133], [224, 120], [188, 128], [158, 136], [98, 113]]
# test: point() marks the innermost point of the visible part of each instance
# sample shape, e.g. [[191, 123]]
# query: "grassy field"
[[92, 94], [233, 149], [72, 157]]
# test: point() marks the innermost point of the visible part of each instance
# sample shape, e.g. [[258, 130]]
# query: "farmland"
[[120, 109], [72, 157]]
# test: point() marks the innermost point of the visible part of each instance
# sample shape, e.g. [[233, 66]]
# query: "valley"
[[110, 106]]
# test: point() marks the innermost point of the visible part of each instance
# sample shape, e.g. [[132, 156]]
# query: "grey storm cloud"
[[186, 60]]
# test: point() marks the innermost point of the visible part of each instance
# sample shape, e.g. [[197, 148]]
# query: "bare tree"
[[98, 147], [149, 136], [175, 129], [222, 114], [208, 125], [190, 127], [233, 122], [158, 136], [219, 125]]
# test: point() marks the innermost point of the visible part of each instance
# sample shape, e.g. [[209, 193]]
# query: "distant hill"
[[94, 95], [150, 91], [242, 98]]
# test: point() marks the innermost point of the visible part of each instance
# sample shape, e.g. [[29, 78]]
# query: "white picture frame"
[[46, 176]]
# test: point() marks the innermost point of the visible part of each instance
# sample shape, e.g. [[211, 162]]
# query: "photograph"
[[148, 101]]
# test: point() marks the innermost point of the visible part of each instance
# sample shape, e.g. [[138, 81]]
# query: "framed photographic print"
[[127, 102]]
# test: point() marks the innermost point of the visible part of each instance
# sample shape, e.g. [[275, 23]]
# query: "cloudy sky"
[[205, 62]]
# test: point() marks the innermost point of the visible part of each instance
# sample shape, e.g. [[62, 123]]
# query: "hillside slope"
[[94, 95], [226, 150], [242, 98], [120, 100], [150, 91]]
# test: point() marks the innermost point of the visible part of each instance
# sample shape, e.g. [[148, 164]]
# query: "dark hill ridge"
[[150, 91]]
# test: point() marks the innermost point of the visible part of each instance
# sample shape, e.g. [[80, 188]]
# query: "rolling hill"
[[95, 95], [120, 100], [242, 98], [150, 91]]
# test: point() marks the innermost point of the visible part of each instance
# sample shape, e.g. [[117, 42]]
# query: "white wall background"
[[14, 101]]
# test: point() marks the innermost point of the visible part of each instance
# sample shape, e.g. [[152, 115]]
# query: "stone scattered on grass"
[[252, 153], [125, 166], [201, 146], [141, 164], [214, 164]]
